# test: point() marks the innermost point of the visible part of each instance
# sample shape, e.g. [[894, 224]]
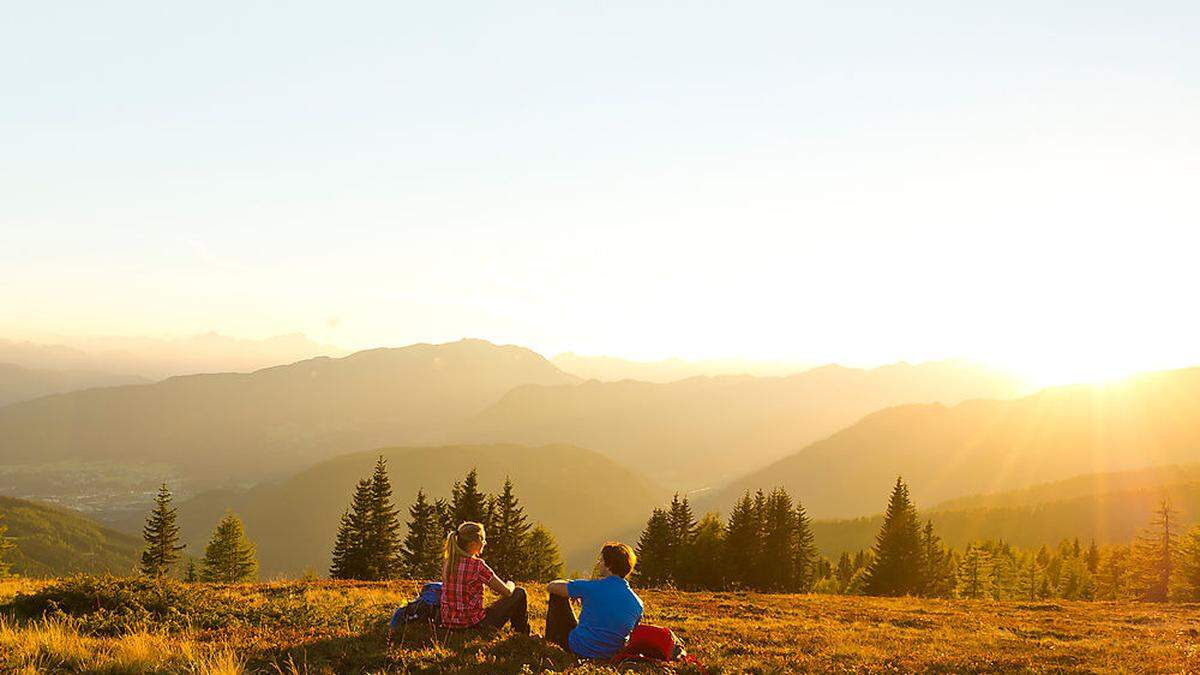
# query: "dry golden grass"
[[336, 627]]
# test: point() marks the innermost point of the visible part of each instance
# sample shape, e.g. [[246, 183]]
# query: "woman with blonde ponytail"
[[464, 574]]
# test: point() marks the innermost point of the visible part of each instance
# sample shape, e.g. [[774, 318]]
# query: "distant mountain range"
[[1110, 508], [18, 383], [277, 420], [704, 431], [582, 498], [613, 369], [155, 358], [977, 446], [51, 541]]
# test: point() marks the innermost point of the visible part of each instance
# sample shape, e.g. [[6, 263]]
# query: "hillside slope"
[[22, 384], [582, 497], [56, 542], [704, 431], [275, 420], [984, 446], [1110, 508]]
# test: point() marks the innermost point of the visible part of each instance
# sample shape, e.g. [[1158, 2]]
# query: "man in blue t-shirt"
[[610, 611]]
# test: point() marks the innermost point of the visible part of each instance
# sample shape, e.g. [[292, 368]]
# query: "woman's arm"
[[501, 587], [558, 587]]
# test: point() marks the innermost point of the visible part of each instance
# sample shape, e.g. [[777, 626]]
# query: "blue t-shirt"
[[610, 611]]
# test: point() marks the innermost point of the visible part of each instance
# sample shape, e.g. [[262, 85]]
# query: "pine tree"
[[708, 546], [937, 573], [1030, 579], [191, 576], [6, 545], [975, 573], [468, 504], [843, 571], [1076, 582], [1189, 567], [682, 524], [161, 534], [229, 557], [445, 517], [383, 550], [807, 556], [1112, 579], [509, 534], [542, 561], [351, 559], [423, 544], [1092, 557], [654, 551], [1155, 552], [778, 542], [898, 565], [742, 541]]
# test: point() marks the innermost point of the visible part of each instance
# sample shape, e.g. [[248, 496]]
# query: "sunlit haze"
[[1012, 183]]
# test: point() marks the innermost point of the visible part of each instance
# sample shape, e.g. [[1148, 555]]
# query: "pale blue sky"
[[1002, 181]]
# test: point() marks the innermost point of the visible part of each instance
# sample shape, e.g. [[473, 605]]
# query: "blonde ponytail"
[[467, 533]]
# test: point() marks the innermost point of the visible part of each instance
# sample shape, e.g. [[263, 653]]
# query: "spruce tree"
[[807, 556], [937, 569], [778, 543], [1155, 552], [351, 558], [975, 574], [445, 517], [383, 550], [542, 561], [6, 545], [897, 568], [468, 503], [509, 535], [423, 543], [229, 557], [682, 533], [1029, 582], [1112, 579], [654, 551], [742, 541], [708, 547], [1189, 567], [1092, 557], [161, 534]]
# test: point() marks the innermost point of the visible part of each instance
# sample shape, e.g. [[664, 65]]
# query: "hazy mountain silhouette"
[[986, 445], [613, 369], [246, 426], [704, 431], [22, 384], [53, 541], [1111, 508], [155, 358], [581, 496]]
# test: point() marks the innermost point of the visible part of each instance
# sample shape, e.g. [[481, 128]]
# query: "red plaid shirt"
[[462, 594]]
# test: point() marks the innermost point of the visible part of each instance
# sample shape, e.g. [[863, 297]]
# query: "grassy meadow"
[[104, 625]]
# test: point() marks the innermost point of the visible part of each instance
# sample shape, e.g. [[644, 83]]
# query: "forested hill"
[[582, 497], [704, 431], [979, 446], [51, 541], [242, 427], [1110, 508]]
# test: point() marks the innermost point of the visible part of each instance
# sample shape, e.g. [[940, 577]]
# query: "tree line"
[[370, 544], [767, 545]]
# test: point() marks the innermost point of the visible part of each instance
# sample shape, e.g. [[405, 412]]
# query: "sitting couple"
[[610, 612]]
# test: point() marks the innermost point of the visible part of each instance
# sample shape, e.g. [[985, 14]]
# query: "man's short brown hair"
[[618, 558]]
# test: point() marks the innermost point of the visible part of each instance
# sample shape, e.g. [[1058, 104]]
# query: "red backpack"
[[654, 643]]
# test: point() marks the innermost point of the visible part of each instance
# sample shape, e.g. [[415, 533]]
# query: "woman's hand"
[[511, 585]]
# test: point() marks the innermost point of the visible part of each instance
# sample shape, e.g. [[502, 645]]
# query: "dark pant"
[[514, 608], [560, 620]]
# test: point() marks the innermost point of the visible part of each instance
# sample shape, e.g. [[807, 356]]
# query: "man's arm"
[[558, 587]]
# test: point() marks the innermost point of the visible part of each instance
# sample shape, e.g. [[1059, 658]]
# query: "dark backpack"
[[422, 608]]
